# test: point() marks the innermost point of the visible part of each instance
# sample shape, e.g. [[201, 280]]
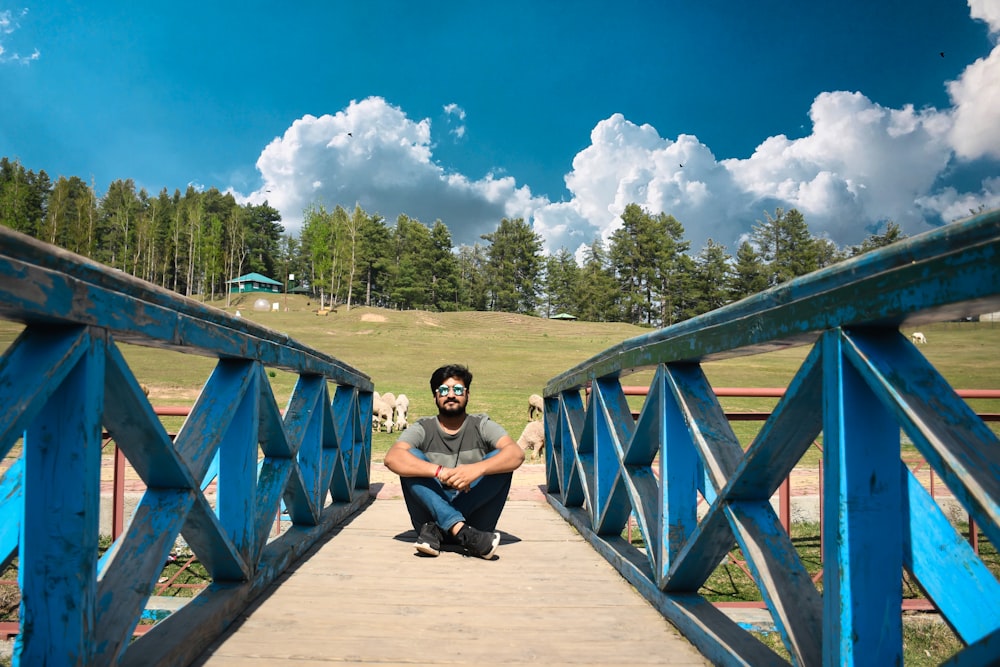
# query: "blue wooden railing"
[[861, 385], [65, 379]]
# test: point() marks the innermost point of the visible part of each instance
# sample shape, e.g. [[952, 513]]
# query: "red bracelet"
[[438, 471]]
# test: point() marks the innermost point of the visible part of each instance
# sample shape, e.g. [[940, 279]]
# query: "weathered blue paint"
[[11, 511], [130, 420], [30, 371], [792, 428], [946, 566], [57, 566], [611, 430], [305, 417], [304, 421], [669, 523], [236, 490], [983, 652], [128, 577], [859, 386], [862, 501], [64, 379], [788, 590], [959, 445]]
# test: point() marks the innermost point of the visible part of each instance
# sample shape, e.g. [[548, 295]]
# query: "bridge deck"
[[363, 596]]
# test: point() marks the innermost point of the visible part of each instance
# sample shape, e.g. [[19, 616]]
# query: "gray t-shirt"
[[477, 438]]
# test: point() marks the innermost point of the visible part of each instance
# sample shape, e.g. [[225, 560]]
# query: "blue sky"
[[561, 113]]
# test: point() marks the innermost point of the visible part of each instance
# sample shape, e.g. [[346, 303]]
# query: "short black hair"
[[451, 371]]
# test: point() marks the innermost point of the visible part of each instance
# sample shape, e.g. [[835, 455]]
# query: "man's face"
[[454, 400]]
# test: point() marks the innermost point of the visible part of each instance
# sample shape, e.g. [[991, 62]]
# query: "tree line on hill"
[[193, 242]]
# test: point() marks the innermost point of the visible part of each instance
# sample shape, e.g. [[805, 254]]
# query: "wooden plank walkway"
[[363, 596]]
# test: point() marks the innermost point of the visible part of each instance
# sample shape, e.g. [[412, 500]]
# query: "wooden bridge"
[[548, 599], [64, 381]]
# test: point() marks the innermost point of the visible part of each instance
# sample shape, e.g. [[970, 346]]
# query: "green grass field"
[[511, 356]]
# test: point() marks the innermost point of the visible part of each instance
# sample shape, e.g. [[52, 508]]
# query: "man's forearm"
[[402, 462], [507, 459]]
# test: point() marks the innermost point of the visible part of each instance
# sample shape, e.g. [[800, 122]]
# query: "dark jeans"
[[480, 507]]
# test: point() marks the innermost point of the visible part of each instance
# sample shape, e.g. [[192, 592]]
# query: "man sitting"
[[455, 470]]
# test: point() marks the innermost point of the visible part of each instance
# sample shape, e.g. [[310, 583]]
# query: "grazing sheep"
[[401, 422], [376, 399], [533, 439], [918, 337], [535, 404], [382, 414], [402, 411], [390, 398]]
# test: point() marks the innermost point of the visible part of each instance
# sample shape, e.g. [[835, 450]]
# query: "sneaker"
[[429, 540], [478, 542]]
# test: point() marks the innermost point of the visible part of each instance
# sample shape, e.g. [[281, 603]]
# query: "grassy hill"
[[510, 355]]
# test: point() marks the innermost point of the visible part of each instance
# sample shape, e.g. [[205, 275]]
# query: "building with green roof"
[[254, 282]]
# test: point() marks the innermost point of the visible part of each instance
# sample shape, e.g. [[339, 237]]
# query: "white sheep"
[[401, 422], [382, 414], [390, 399], [535, 404], [918, 337], [376, 399], [533, 439], [402, 411]]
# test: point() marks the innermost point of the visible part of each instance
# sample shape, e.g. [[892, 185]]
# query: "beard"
[[451, 408]]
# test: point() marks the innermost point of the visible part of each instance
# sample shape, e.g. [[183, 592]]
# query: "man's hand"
[[460, 478]]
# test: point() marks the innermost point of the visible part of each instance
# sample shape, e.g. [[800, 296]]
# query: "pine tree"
[[317, 245], [373, 258], [749, 274], [673, 271], [632, 252], [444, 270], [562, 280], [710, 278], [472, 277], [598, 290], [646, 254], [24, 197], [514, 264], [411, 243], [786, 245]]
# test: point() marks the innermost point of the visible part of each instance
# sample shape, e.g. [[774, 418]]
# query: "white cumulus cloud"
[[975, 96], [627, 163], [954, 205], [862, 163], [988, 11], [372, 154]]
